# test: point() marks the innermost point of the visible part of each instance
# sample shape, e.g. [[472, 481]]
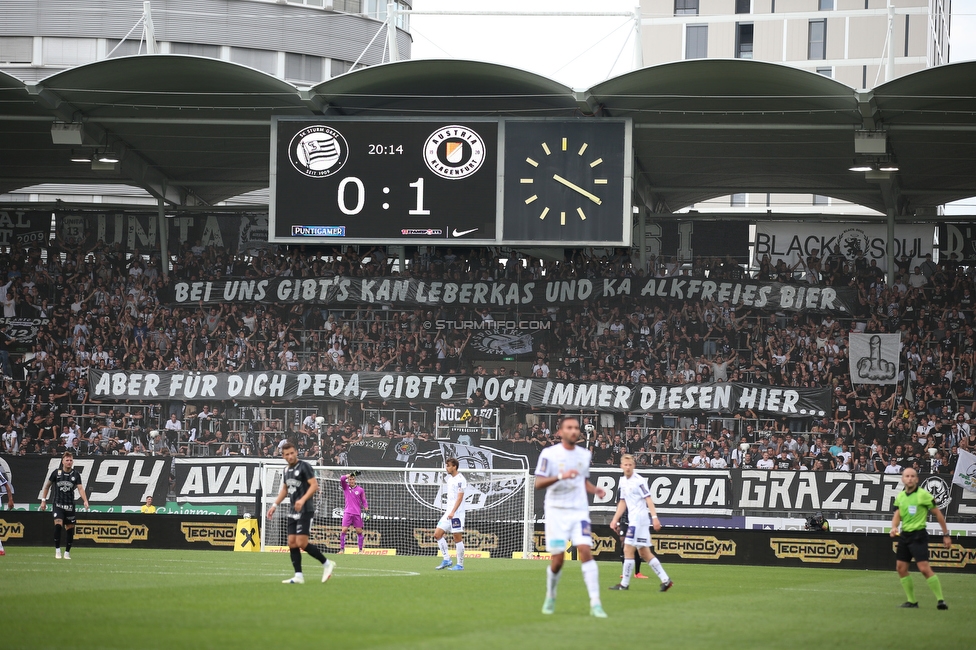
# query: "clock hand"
[[577, 188]]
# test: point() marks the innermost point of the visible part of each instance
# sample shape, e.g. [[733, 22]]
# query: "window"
[[817, 49], [16, 49], [303, 67], [743, 6], [685, 7], [195, 49], [348, 6], [340, 67], [821, 200], [826, 5], [743, 40], [124, 48], [696, 41], [738, 200], [827, 72], [263, 60], [68, 51]]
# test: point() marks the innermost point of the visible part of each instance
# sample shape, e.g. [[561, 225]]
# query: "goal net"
[[405, 506]]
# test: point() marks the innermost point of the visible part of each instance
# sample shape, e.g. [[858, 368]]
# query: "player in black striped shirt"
[[65, 481], [299, 485]]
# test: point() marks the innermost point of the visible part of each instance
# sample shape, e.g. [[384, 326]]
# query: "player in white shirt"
[[563, 472], [635, 497], [453, 519]]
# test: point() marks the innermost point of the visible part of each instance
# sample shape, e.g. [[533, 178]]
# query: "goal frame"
[[528, 516]]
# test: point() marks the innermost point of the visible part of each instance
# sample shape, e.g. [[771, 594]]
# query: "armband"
[[559, 476]]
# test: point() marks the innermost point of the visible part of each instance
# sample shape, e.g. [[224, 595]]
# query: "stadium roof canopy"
[[195, 131]]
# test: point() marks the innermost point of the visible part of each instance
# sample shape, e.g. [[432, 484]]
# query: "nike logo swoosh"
[[462, 233]]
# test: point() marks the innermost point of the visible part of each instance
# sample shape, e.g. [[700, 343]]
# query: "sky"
[[577, 51], [583, 51]]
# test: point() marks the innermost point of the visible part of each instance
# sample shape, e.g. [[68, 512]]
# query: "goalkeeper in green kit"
[[912, 508]]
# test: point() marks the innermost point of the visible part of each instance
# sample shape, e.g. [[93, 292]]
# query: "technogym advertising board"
[[469, 181]]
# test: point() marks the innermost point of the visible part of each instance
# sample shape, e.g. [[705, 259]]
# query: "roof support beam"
[[868, 108], [133, 165]]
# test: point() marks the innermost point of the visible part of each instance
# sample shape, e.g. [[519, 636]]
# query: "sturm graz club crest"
[[939, 490], [318, 151], [426, 477], [454, 152]]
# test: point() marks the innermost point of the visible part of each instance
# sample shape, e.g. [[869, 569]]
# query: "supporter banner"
[[232, 480], [957, 242], [675, 491], [965, 474], [498, 344], [686, 240], [874, 358], [114, 480], [140, 230], [792, 242], [23, 330], [25, 227], [435, 389], [407, 292]]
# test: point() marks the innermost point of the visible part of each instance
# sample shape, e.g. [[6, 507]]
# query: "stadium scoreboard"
[[462, 181]]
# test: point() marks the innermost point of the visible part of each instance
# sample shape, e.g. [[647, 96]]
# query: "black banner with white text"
[[108, 480], [435, 389], [407, 292]]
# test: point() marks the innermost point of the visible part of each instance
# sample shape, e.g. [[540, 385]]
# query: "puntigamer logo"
[[825, 551], [11, 530], [110, 532], [213, 534], [693, 547]]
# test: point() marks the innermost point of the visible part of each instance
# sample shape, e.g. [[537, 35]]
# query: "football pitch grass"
[[133, 598]]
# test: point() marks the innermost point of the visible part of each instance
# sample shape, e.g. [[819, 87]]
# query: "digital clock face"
[[384, 181], [567, 182]]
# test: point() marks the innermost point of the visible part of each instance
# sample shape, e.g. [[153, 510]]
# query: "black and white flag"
[[874, 358]]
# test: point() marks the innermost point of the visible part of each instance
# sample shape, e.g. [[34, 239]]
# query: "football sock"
[[314, 552], [1, 545], [70, 532], [296, 559], [552, 581], [628, 571], [659, 570], [591, 576], [935, 586], [359, 539], [342, 542], [909, 587], [460, 552], [442, 544], [637, 564], [57, 535]]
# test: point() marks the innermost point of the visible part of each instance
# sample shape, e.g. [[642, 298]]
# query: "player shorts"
[[455, 525], [300, 523], [67, 516], [913, 545], [349, 520], [565, 528], [638, 533]]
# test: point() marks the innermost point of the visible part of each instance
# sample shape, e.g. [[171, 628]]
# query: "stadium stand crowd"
[[103, 312]]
